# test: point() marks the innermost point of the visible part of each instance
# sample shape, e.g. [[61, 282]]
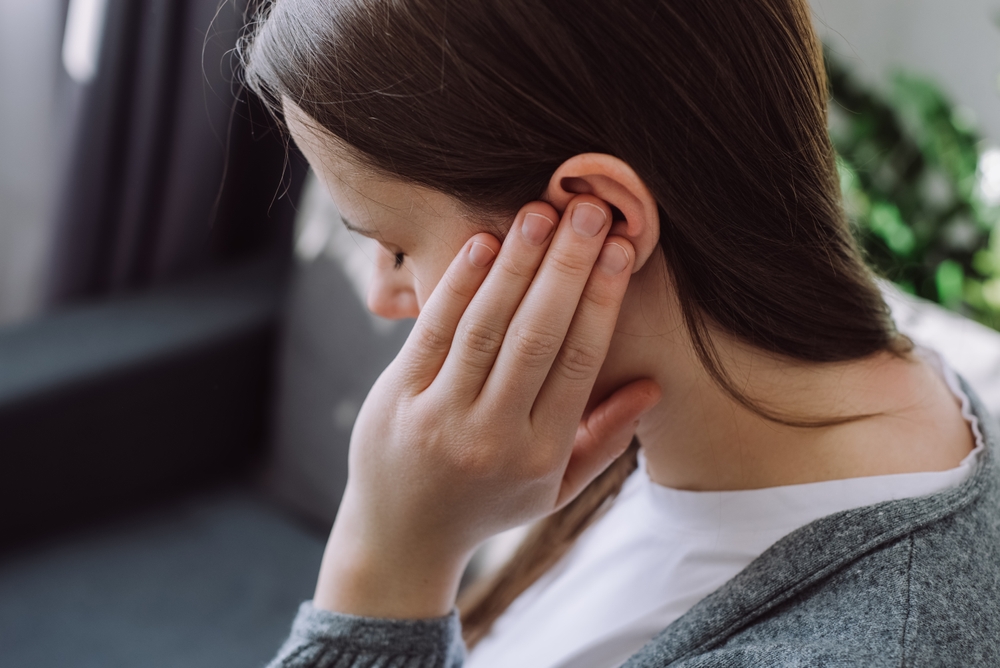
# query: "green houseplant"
[[920, 188]]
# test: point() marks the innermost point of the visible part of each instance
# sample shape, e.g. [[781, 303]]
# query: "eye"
[[398, 261]]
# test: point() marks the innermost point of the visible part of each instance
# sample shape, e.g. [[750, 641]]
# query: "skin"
[[474, 423]]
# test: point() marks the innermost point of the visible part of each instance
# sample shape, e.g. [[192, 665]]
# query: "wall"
[[955, 42]]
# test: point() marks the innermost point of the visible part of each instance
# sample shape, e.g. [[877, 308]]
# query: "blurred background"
[[183, 342]]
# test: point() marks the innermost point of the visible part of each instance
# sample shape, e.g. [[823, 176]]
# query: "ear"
[[614, 181]]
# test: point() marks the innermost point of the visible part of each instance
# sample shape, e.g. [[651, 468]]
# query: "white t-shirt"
[[658, 551]]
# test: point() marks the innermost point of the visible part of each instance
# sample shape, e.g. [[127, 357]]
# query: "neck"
[[900, 416]]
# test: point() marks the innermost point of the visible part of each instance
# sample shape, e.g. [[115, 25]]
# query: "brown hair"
[[719, 106]]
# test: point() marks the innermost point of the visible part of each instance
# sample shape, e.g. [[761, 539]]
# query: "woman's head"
[[718, 107], [420, 230]]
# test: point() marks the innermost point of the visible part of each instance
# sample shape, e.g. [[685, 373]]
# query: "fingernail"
[[613, 259], [481, 254], [588, 219], [536, 228]]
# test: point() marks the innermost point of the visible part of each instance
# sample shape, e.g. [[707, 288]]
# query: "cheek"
[[437, 257], [423, 295], [428, 276]]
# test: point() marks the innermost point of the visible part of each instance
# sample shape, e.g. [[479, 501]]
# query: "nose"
[[391, 294]]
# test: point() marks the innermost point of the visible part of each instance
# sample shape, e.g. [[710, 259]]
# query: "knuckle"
[[509, 265], [600, 297], [535, 347], [570, 263], [456, 288], [481, 338], [578, 360], [433, 336]]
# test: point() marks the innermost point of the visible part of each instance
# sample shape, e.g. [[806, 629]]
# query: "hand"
[[478, 425]]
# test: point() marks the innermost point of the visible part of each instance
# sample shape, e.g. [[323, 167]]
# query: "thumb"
[[604, 434]]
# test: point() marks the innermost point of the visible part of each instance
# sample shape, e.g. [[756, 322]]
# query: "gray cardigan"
[[912, 582]]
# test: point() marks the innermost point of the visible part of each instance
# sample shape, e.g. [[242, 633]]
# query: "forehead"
[[363, 195]]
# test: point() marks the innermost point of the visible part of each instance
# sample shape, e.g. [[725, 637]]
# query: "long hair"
[[718, 105]]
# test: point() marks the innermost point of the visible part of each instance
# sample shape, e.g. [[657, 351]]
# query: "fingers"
[[568, 384], [604, 434], [483, 328], [428, 344], [566, 282]]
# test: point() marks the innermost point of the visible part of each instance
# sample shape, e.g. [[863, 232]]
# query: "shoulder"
[[913, 582], [953, 587], [929, 598]]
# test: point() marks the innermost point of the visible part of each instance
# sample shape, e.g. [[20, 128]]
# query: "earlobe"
[[614, 181]]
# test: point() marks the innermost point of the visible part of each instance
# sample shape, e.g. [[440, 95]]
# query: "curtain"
[[168, 167]]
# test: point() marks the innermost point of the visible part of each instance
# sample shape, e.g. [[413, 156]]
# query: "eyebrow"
[[359, 230]]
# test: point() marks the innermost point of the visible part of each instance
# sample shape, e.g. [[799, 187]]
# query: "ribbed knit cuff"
[[320, 639]]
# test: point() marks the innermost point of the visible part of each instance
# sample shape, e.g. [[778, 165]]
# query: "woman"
[[674, 265]]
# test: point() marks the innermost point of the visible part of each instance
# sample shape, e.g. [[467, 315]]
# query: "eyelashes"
[[398, 260]]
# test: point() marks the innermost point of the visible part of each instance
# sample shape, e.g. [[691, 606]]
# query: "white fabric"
[[658, 551]]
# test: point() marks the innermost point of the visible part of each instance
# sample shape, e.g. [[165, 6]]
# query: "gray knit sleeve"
[[322, 639]]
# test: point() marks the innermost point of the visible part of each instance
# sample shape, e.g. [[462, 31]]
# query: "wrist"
[[386, 579]]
